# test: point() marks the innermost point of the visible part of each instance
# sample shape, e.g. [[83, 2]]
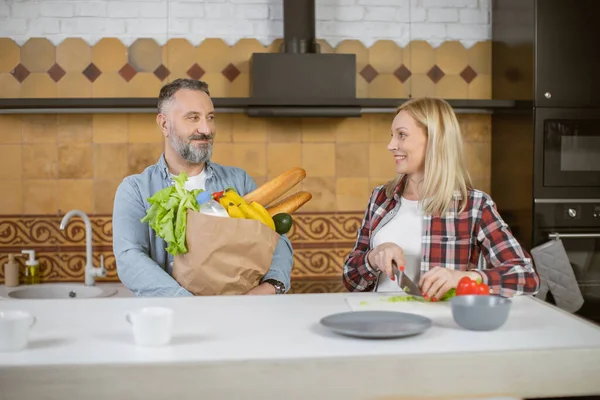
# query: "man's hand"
[[263, 288], [438, 281]]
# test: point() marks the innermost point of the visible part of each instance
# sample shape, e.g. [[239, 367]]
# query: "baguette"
[[273, 189], [290, 204]]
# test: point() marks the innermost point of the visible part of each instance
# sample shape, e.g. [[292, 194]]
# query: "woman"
[[430, 220]]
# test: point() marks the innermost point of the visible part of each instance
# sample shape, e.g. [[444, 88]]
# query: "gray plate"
[[377, 324]]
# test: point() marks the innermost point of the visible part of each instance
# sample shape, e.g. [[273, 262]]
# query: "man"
[[186, 117]]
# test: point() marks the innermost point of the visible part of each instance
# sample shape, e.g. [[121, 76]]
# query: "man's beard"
[[194, 154]]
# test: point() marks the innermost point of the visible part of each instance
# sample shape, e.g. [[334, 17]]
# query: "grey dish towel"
[[557, 276]]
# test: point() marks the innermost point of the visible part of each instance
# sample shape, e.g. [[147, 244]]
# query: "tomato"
[[468, 286]]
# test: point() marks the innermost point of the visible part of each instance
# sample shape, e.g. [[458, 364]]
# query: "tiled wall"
[[38, 69], [50, 164]]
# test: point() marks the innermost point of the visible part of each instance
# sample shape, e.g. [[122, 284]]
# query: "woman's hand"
[[438, 281], [381, 258]]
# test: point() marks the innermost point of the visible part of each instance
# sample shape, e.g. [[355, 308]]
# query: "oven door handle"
[[556, 235]]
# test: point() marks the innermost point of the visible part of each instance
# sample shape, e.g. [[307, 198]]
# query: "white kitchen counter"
[[272, 347]]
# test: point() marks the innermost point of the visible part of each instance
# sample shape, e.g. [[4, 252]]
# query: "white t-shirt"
[[196, 182], [404, 229]]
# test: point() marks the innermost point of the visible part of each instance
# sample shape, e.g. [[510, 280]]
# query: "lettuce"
[[167, 215]]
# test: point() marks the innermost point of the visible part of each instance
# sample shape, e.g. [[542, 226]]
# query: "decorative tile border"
[[321, 242], [110, 68]]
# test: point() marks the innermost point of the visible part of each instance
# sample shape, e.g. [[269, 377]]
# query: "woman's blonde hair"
[[445, 169]]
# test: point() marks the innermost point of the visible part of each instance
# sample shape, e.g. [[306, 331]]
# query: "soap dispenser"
[[32, 268], [11, 271]]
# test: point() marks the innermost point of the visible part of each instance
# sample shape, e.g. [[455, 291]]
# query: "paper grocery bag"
[[226, 256]]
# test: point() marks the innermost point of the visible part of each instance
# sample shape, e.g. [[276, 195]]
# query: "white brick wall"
[[366, 20]]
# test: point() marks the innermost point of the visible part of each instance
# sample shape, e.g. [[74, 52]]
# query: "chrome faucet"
[[91, 272]]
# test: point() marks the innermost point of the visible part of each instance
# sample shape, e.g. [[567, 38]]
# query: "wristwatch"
[[279, 287]]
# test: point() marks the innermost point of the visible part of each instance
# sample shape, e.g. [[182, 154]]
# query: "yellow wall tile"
[[110, 161], [381, 162], [224, 126], [74, 128], [179, 55], [38, 85], [143, 155], [478, 129], [452, 87], [286, 130], [75, 161], [252, 157], [374, 182], [76, 194], [380, 126], [385, 56], [387, 86], [352, 194], [240, 87], [478, 158], [10, 129], [481, 87], [421, 86], [144, 84], [40, 128], [38, 55], [73, 55], [213, 56], [480, 57], [110, 128], [40, 196], [319, 129], [145, 55], [283, 156], [109, 55], [11, 89], [353, 130], [419, 57], [222, 153], [218, 85], [111, 84], [104, 195], [247, 129], [10, 161], [40, 161], [10, 55], [362, 87], [352, 160], [323, 193], [318, 159], [144, 129], [451, 57], [11, 202], [74, 85]]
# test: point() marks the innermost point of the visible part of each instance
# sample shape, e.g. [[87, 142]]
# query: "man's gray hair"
[[168, 91]]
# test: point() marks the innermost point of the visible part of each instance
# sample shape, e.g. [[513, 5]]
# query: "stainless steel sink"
[[61, 291]]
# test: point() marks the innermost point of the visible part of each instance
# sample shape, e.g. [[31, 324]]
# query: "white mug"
[[14, 329], [152, 326]]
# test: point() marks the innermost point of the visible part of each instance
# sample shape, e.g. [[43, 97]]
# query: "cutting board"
[[383, 302]]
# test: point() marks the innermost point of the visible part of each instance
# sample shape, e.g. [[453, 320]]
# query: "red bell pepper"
[[468, 286], [217, 195]]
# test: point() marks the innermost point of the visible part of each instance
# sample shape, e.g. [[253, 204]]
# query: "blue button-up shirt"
[[143, 264]]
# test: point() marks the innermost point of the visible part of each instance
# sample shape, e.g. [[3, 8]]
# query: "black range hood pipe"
[[299, 27]]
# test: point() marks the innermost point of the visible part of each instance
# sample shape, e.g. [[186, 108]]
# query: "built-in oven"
[[576, 222], [567, 160]]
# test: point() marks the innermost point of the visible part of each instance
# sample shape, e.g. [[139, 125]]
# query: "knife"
[[405, 282]]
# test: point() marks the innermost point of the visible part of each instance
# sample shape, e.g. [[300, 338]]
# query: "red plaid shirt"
[[453, 241]]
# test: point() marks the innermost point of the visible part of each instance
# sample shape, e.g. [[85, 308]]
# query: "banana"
[[234, 197], [235, 212], [266, 218], [224, 202], [251, 213]]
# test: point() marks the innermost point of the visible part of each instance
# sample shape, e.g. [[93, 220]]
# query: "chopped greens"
[[167, 215]]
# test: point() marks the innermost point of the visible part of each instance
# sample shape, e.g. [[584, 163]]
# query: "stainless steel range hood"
[[300, 81]]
